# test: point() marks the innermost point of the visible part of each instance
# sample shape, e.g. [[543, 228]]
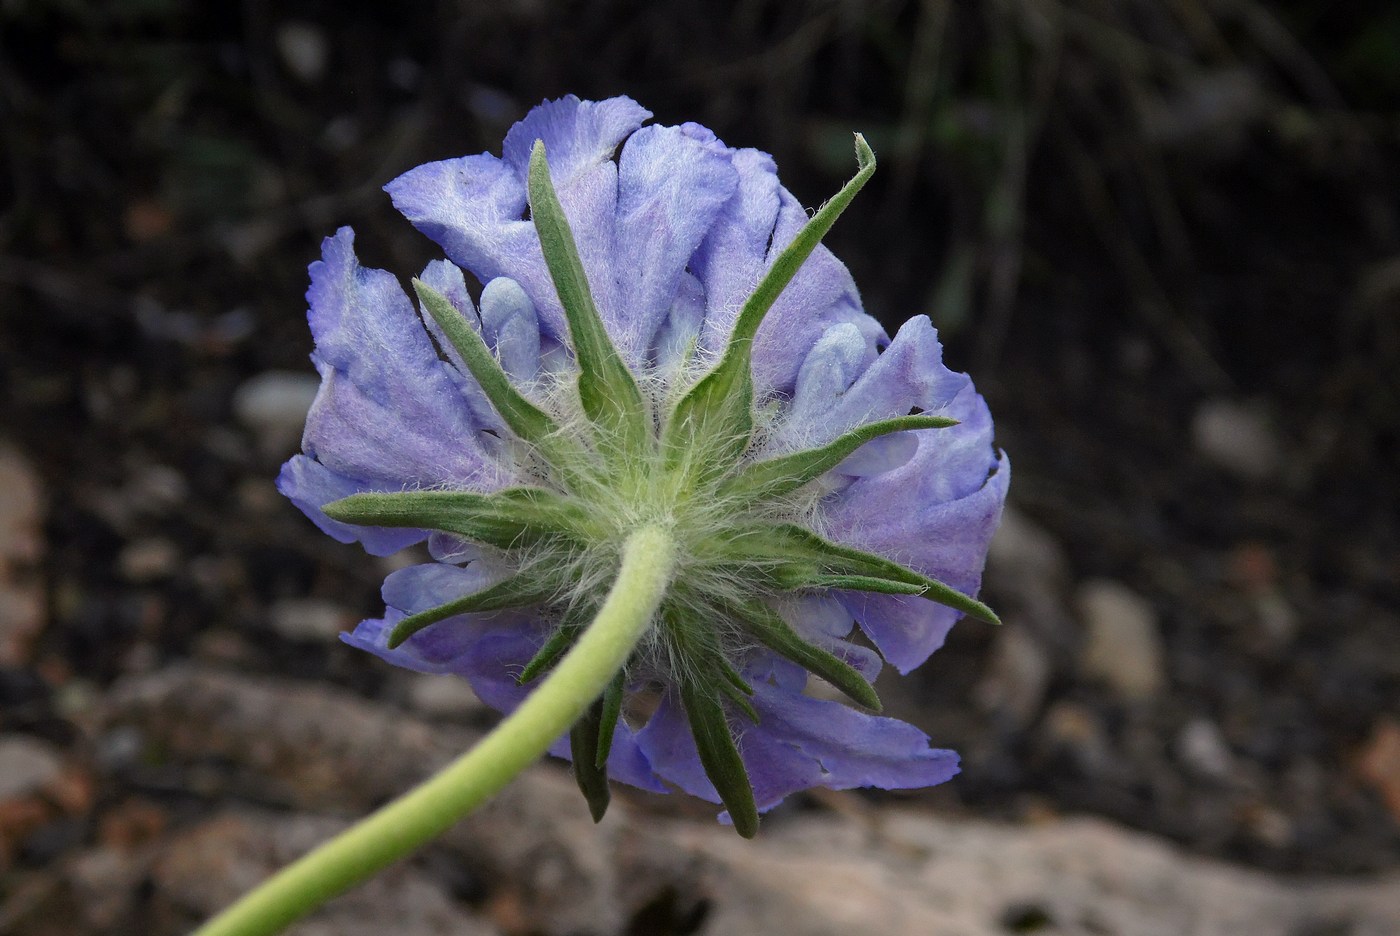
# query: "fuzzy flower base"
[[655, 345]]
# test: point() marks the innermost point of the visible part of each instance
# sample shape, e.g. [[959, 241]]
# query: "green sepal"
[[506, 519], [549, 653], [525, 419], [608, 717], [798, 558], [606, 387], [718, 410], [796, 578], [768, 628], [527, 588], [719, 755], [778, 476], [591, 776], [735, 687]]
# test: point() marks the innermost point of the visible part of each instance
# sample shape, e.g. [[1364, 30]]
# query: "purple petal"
[[511, 327], [821, 295], [935, 514], [824, 621], [389, 412], [843, 384], [311, 485], [577, 134], [677, 337], [475, 207], [669, 748], [801, 742], [446, 277], [672, 183], [757, 223]]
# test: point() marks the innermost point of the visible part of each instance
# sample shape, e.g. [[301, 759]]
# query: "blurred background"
[[1164, 237]]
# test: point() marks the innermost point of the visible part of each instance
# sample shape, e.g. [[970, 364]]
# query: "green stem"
[[518, 741]]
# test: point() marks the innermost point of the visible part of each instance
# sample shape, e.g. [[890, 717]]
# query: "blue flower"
[[814, 503]]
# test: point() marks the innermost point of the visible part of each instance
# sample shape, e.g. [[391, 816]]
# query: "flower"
[[680, 351]]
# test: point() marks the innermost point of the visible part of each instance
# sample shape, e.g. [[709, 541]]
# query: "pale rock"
[[309, 620], [1028, 572], [443, 696], [304, 49], [1203, 749], [1017, 677], [1122, 644], [148, 560], [1022, 550], [273, 406], [27, 765], [1238, 438], [209, 866], [886, 871]]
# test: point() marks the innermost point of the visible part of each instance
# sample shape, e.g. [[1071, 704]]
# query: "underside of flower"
[[749, 488]]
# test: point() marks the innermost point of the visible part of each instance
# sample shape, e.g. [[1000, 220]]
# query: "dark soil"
[[1116, 217]]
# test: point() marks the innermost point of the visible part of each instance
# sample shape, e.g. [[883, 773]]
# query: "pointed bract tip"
[[865, 156]]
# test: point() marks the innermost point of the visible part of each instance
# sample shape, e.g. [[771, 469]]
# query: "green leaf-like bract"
[[607, 390], [796, 557], [778, 476], [707, 675], [719, 755], [530, 424], [718, 410], [517, 591], [507, 519], [610, 713], [591, 776], [764, 625], [558, 643]]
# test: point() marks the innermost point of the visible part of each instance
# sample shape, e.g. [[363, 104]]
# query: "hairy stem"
[[402, 826]]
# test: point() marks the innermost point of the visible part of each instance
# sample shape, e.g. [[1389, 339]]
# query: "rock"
[[544, 868], [1122, 645], [1024, 552], [444, 697], [1076, 730], [214, 863], [31, 772], [273, 406], [1253, 570], [309, 620], [304, 49], [1027, 571], [131, 824], [1238, 438], [148, 560], [1202, 748], [1379, 764], [1016, 679], [301, 746], [27, 766], [155, 489], [910, 874], [21, 549]]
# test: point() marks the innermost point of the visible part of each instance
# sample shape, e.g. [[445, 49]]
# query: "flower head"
[[659, 340]]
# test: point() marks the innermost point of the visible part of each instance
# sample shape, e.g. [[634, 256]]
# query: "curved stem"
[[413, 819]]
